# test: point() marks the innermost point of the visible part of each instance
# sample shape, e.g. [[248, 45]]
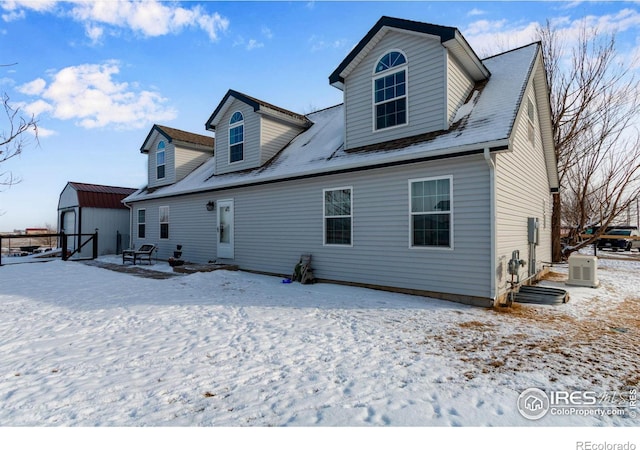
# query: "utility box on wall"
[[583, 271]]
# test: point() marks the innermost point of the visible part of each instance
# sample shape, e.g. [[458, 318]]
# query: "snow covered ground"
[[86, 346]]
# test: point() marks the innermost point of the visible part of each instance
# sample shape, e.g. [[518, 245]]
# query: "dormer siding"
[[170, 163], [186, 160], [183, 152], [275, 135], [266, 130], [251, 144], [459, 86], [426, 90]]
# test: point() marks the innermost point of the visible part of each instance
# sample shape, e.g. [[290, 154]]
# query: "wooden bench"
[[143, 253]]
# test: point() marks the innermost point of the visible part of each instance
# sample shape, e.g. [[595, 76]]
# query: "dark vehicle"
[[624, 242]]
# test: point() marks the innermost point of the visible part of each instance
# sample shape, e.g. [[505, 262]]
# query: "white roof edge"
[[365, 51], [269, 112], [214, 123], [472, 63]]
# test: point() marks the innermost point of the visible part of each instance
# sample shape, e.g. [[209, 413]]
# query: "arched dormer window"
[[160, 158], [236, 137], [390, 91]]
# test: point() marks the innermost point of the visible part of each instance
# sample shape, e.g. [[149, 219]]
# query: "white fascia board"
[[467, 57], [374, 41], [227, 104], [365, 51], [265, 111]]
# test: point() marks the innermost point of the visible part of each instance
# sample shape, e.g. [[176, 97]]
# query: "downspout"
[[492, 220]]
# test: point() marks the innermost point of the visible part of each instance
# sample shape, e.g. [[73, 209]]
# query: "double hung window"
[[160, 158], [164, 222], [430, 212], [142, 223], [390, 91], [236, 137], [337, 216]]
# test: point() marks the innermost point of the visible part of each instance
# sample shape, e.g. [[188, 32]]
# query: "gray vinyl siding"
[[108, 222], [518, 200], [459, 86], [275, 136], [187, 160], [251, 139], [426, 72], [190, 225], [68, 197], [169, 161], [276, 223]]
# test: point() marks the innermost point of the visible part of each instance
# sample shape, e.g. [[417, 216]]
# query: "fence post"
[[95, 244], [63, 245]]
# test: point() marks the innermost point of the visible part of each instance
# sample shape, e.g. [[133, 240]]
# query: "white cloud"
[[13, 15], [18, 6], [45, 132], [319, 43], [149, 17], [5, 81], [253, 44], [476, 12], [266, 32], [90, 95], [249, 45], [490, 37], [94, 32], [37, 108], [212, 24], [34, 87]]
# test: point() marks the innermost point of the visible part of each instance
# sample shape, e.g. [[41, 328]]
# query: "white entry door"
[[225, 229]]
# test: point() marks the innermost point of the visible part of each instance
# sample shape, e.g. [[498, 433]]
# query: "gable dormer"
[[405, 79], [249, 132], [173, 154]]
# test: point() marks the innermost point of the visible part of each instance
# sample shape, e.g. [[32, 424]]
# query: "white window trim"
[[160, 223], [384, 73], [373, 71], [143, 223], [164, 151], [325, 217], [451, 216], [235, 125]]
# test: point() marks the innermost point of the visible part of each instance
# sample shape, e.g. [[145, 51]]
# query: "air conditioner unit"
[[583, 271]]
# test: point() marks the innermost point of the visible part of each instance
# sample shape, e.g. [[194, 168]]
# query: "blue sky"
[[98, 75]]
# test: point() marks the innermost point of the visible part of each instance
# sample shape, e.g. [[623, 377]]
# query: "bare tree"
[[594, 102], [15, 134]]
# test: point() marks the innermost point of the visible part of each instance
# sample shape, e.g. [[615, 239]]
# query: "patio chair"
[[143, 253]]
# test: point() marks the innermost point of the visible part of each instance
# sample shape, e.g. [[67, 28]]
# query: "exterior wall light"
[[210, 206]]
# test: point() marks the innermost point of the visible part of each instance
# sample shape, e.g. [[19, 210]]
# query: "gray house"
[[436, 170], [83, 208]]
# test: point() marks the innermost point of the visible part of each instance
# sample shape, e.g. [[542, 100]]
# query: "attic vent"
[[583, 271]]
